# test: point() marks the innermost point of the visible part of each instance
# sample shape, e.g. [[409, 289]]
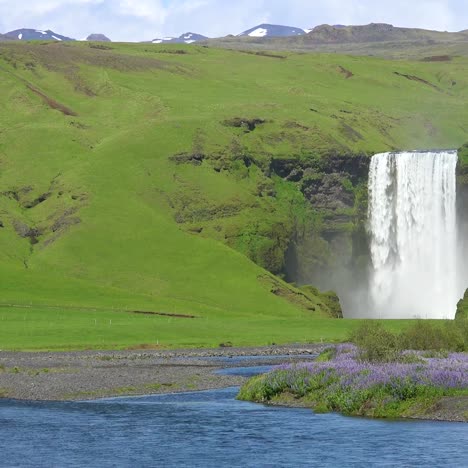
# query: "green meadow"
[[107, 208], [59, 329]]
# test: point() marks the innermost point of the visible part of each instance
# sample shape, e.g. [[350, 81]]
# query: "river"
[[213, 429]]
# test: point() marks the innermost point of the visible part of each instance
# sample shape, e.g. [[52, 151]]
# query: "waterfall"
[[413, 235]]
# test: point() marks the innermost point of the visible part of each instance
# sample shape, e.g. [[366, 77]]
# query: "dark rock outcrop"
[[188, 158], [249, 125], [27, 232], [328, 192]]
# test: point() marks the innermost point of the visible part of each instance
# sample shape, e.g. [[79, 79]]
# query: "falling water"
[[413, 231]]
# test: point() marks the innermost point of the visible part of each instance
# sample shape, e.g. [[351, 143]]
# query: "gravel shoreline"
[[86, 375], [89, 375]]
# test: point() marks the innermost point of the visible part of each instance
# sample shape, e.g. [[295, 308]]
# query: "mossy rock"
[[462, 308], [329, 298]]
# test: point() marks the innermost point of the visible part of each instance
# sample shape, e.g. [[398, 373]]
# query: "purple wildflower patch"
[[449, 372], [347, 384]]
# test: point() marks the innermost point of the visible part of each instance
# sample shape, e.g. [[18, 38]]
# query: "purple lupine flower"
[[346, 373]]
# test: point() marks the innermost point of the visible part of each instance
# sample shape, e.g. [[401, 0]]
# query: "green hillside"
[[138, 178]]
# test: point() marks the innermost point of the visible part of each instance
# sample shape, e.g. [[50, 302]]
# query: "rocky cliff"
[[330, 249]]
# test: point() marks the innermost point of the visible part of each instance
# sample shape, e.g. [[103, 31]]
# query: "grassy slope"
[[108, 166]]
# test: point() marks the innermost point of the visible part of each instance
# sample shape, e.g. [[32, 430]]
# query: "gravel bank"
[[82, 375]]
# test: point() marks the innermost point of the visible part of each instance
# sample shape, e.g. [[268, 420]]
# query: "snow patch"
[[190, 41], [20, 36], [56, 38], [307, 31], [157, 41], [188, 36], [168, 38], [41, 32], [260, 32]]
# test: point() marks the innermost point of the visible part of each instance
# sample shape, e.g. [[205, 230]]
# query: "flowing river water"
[[213, 429]]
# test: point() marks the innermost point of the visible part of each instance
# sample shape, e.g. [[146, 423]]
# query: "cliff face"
[[462, 183], [330, 249], [462, 202]]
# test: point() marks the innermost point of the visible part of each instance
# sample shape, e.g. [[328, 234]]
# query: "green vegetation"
[[383, 376], [408, 391], [462, 308], [462, 169], [40, 328], [377, 344], [139, 178]]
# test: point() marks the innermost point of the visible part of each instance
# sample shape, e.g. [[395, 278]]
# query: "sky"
[[139, 20]]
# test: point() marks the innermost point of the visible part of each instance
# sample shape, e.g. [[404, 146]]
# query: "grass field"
[[68, 329], [96, 213]]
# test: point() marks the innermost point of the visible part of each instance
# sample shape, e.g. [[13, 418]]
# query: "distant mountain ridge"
[[25, 34], [374, 32], [98, 38], [187, 38], [272, 30], [322, 34]]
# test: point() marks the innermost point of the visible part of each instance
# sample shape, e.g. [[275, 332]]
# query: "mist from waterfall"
[[413, 235]]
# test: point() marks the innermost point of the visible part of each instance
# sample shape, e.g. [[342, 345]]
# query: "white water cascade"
[[413, 235]]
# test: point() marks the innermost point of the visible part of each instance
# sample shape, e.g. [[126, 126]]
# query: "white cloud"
[[134, 20]]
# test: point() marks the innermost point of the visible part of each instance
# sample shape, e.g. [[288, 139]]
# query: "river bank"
[[447, 409], [416, 385], [89, 375], [85, 375]]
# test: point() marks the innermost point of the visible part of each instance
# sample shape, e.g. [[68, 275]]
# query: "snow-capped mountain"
[[272, 30], [98, 38], [36, 34], [187, 38]]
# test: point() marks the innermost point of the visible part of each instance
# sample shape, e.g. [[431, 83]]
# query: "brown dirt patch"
[[417, 79], [263, 54], [347, 73], [438, 58], [163, 314], [52, 103]]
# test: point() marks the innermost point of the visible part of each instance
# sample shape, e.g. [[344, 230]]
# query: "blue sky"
[[138, 20]]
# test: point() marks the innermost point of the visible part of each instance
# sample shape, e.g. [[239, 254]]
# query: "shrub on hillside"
[[375, 343], [427, 336]]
